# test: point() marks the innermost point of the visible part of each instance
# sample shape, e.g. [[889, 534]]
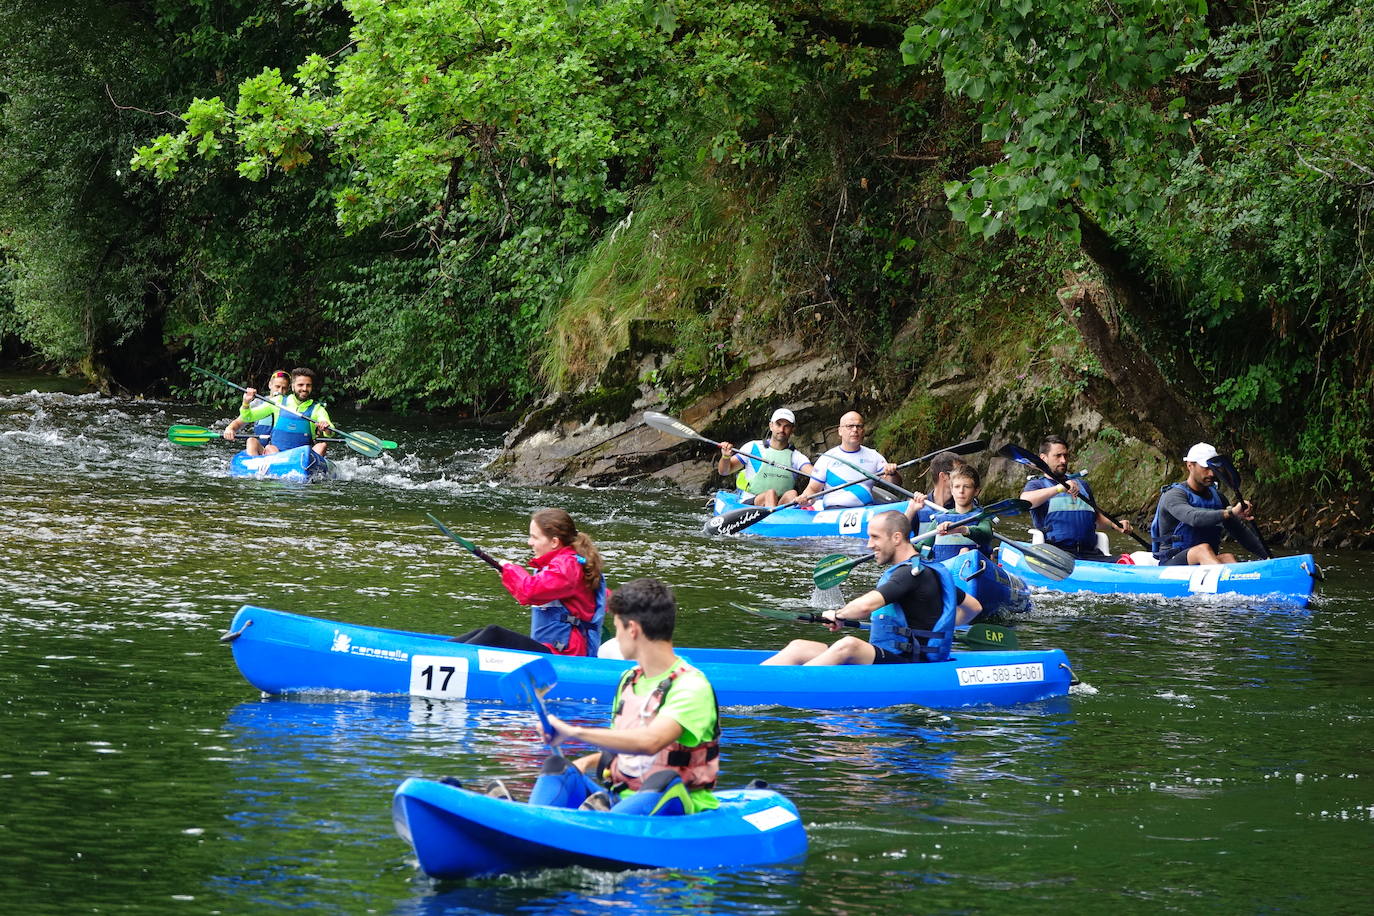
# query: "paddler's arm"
[[861, 608], [1038, 496], [233, 428], [645, 739]]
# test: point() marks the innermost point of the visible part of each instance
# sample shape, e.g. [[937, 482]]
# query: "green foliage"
[[1072, 92]]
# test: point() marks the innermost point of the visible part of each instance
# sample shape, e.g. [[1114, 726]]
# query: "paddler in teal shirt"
[[763, 484], [289, 431]]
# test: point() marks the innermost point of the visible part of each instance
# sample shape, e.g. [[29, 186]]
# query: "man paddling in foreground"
[[1067, 521], [1188, 520], [833, 469], [912, 595], [763, 484], [663, 746], [289, 431]]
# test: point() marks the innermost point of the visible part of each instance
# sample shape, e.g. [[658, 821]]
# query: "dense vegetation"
[[451, 204]]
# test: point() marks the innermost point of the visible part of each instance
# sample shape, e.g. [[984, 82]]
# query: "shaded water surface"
[[1217, 757]]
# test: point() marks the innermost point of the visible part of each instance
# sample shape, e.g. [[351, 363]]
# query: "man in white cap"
[[1187, 526], [766, 484]]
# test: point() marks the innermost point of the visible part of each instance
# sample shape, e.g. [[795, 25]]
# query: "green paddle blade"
[[987, 636], [362, 443], [834, 569], [191, 436]]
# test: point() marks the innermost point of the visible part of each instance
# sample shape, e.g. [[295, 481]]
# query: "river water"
[[1216, 758]]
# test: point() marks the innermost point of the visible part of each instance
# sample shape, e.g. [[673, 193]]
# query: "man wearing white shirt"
[[833, 468]]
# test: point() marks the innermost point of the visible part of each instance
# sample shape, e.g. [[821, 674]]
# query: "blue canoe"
[[1001, 593], [280, 652], [1282, 580], [794, 522], [460, 834], [300, 464]]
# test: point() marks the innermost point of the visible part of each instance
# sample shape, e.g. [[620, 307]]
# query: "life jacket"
[[1067, 519], [552, 623], [263, 428], [291, 431], [757, 477], [698, 765], [1166, 544], [951, 545], [890, 630]]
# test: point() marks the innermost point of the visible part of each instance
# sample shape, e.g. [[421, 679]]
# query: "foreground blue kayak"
[[280, 652], [299, 464], [459, 834], [1283, 580], [794, 522]]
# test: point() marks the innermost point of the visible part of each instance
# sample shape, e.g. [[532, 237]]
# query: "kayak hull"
[[1283, 580], [280, 652], [460, 834], [300, 464], [794, 522], [1001, 593]]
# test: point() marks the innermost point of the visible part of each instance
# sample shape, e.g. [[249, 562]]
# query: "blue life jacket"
[[1166, 544], [290, 431], [951, 545], [552, 623], [1067, 521], [263, 428], [890, 630]]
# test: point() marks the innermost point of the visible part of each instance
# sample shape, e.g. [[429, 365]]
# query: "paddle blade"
[[971, 447], [666, 424], [527, 685], [1005, 507], [834, 569], [1050, 561], [736, 520], [190, 436], [986, 636], [1021, 456], [363, 443]]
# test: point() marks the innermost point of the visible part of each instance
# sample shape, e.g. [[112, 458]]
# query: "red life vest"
[[697, 765]]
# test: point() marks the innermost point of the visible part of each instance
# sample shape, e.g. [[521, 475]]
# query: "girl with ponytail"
[[566, 592]]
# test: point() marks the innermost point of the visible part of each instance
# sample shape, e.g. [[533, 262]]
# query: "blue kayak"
[[795, 522], [300, 464], [1283, 580], [280, 652], [1000, 592], [460, 834]]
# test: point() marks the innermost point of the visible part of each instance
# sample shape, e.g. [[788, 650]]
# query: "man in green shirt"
[[306, 424], [661, 753]]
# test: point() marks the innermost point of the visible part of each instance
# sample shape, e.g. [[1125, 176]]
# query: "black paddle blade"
[[736, 520], [1050, 561], [1226, 470]]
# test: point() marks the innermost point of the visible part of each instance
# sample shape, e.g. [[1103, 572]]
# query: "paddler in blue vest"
[[953, 538], [1191, 515], [838, 466], [1067, 521], [289, 431], [279, 384], [921, 511], [663, 747], [910, 595], [763, 484]]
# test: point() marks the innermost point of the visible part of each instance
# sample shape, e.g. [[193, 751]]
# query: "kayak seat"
[[663, 793], [1104, 546]]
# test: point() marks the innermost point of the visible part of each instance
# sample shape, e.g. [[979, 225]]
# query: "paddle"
[[978, 636], [472, 548], [736, 520], [834, 569], [1048, 560], [666, 424], [196, 436], [1227, 472], [527, 685], [362, 443], [1021, 456]]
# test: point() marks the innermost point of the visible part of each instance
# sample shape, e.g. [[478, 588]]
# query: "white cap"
[[1201, 453], [782, 413]]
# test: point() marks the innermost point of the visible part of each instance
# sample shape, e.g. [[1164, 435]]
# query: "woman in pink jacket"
[[566, 592]]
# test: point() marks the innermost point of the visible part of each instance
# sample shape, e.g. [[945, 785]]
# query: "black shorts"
[[888, 657], [1178, 559]]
